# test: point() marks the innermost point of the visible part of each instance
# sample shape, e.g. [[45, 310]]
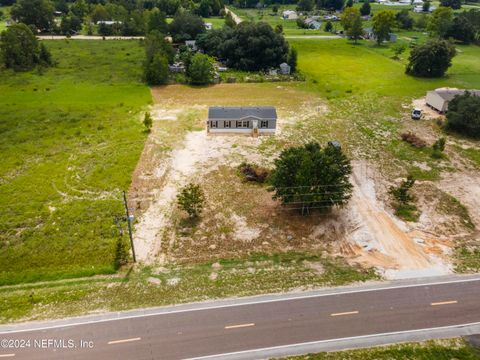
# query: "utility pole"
[[129, 226]]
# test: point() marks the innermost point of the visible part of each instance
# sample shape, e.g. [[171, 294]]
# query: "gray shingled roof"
[[449, 94], [236, 112]]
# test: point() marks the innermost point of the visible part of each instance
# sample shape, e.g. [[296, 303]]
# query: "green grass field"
[[71, 137]]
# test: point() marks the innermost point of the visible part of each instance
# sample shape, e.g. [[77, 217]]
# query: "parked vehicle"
[[416, 114]]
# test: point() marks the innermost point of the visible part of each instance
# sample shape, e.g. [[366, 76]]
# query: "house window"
[[264, 124], [227, 124], [214, 124], [243, 124]]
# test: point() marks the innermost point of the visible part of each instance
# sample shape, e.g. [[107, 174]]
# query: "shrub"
[[191, 199], [148, 121], [413, 140], [253, 172], [438, 147], [403, 198]]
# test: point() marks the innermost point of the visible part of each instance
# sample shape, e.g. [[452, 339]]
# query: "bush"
[[253, 172], [148, 121], [463, 114], [191, 199], [413, 140], [403, 198], [438, 147]]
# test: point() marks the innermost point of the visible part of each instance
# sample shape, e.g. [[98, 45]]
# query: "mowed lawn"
[[70, 139], [339, 68]]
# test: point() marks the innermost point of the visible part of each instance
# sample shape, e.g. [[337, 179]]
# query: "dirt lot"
[[241, 218]]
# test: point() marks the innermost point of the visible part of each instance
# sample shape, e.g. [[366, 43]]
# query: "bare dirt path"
[[383, 240]]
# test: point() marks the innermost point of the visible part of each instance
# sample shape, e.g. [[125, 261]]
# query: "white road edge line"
[[327, 341], [345, 313], [113, 342], [444, 303], [6, 355], [239, 326], [290, 297]]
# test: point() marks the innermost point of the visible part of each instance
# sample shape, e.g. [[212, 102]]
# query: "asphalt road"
[[259, 323]]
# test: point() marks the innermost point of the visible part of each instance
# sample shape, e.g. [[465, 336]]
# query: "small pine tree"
[[191, 199], [365, 9], [402, 192], [148, 121], [292, 59]]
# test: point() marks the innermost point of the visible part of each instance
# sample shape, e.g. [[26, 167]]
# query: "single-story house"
[[255, 120], [417, 2], [438, 99], [313, 23], [108, 22], [289, 15], [285, 69]]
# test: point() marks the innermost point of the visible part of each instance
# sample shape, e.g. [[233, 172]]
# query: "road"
[[259, 327]]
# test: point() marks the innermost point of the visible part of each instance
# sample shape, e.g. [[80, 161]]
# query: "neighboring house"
[[57, 13], [285, 69], [191, 44], [289, 15], [108, 22], [419, 9], [369, 34], [208, 26], [438, 99], [177, 67], [244, 120], [417, 2], [313, 23]]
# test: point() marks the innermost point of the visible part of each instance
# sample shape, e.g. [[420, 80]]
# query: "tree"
[[200, 70], [20, 51], [275, 8], [155, 43], [331, 4], [34, 12], [349, 4], [305, 5], [157, 21], [191, 199], [463, 29], [454, 4], [254, 46], [463, 114], [404, 20], [156, 70], [431, 59], [402, 192], [440, 21], [383, 23], [328, 26], [426, 6], [421, 22], [70, 24], [398, 49], [312, 177], [186, 26], [352, 23], [292, 59], [365, 9], [99, 13], [148, 121], [212, 41], [229, 21]]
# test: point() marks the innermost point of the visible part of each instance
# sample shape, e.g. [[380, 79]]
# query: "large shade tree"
[[463, 114], [310, 176], [383, 24], [34, 12], [431, 59]]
